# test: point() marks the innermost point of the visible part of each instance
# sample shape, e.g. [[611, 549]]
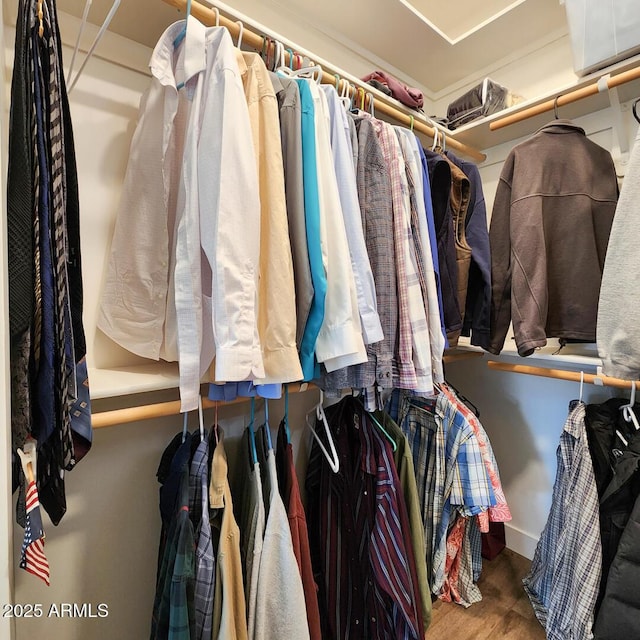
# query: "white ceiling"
[[433, 44]]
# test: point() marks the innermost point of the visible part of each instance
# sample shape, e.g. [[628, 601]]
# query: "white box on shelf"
[[602, 32]]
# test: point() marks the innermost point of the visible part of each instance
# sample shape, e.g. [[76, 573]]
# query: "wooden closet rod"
[[207, 16], [560, 374], [566, 98], [101, 419]]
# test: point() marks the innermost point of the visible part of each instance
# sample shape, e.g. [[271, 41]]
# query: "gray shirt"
[[291, 135]]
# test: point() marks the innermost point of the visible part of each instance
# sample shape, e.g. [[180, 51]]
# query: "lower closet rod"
[[101, 419], [561, 374]]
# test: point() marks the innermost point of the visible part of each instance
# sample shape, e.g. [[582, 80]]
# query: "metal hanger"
[[252, 435]]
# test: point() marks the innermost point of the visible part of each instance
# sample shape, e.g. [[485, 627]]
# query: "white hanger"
[[217, 12], [201, 419], [371, 104], [240, 33], [332, 459], [627, 409], [581, 384], [85, 15], [101, 32]]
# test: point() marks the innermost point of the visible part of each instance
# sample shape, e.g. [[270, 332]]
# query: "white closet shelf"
[[125, 381], [479, 135], [574, 357]]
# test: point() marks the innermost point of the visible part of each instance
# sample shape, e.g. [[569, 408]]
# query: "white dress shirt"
[[191, 161], [339, 342], [348, 191]]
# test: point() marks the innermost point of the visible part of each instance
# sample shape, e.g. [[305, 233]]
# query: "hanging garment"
[[279, 582], [407, 481], [340, 341], [477, 307], [433, 239], [290, 491], [173, 607], [251, 518], [315, 320], [290, 112], [441, 184], [617, 475], [620, 609], [618, 321], [346, 180], [357, 544], [565, 573], [550, 226], [229, 605], [374, 195], [154, 289], [276, 291], [204, 557]]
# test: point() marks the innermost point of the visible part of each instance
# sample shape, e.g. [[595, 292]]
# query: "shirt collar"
[[561, 126], [191, 59]]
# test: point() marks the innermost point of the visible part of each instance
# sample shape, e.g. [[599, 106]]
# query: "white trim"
[[7, 627], [520, 541], [466, 34]]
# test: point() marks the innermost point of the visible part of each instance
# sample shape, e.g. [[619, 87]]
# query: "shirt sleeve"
[[500, 242]]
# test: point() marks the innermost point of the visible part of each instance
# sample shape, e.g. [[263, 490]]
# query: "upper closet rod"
[[603, 84], [561, 374], [255, 41]]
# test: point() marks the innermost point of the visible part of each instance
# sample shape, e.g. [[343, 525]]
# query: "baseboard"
[[520, 541]]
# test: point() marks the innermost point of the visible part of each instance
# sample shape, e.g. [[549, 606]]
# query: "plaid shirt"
[[564, 578], [173, 609], [405, 377], [374, 194], [204, 560]]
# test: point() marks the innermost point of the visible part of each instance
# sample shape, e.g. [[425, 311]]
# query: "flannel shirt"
[[204, 560], [405, 376], [173, 609], [467, 489], [564, 578]]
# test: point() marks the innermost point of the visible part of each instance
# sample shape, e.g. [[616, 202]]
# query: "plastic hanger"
[[627, 409], [201, 419], [181, 36], [217, 12], [184, 426], [555, 107], [267, 426], [240, 32], [375, 421], [310, 71], [285, 419], [332, 458], [581, 385], [372, 108], [411, 123], [634, 109], [83, 24], [252, 435], [94, 44]]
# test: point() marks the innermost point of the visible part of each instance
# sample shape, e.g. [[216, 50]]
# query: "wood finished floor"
[[504, 613]]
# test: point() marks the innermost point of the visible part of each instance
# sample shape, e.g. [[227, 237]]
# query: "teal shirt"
[[310, 368]]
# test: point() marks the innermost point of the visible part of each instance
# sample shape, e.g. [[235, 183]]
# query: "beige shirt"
[[276, 292], [229, 608]]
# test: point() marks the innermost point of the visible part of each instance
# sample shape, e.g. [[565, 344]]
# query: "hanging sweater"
[[549, 231], [619, 313]]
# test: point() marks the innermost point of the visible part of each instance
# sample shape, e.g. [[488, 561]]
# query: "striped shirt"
[[358, 549]]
